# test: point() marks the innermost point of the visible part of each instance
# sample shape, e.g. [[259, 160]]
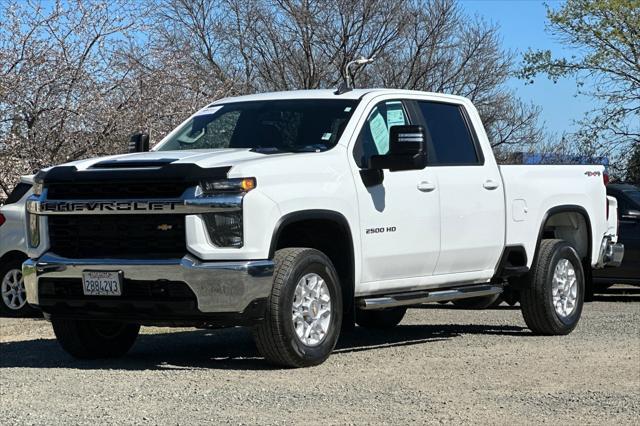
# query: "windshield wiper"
[[310, 148], [267, 150], [277, 150]]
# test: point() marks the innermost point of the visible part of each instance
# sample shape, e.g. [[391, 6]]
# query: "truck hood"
[[205, 159]]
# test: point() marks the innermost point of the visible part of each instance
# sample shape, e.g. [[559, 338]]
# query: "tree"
[[77, 77], [63, 86], [297, 44], [605, 38]]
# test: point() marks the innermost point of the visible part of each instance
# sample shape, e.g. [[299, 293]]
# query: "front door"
[[399, 219]]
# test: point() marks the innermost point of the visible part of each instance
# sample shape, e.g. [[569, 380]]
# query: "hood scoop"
[[133, 164]]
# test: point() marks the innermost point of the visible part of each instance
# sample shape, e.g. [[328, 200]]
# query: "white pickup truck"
[[301, 213]]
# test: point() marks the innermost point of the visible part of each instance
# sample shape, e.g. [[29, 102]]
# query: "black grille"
[[71, 288], [118, 236], [116, 191]]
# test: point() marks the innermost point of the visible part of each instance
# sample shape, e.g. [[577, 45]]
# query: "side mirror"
[[407, 150], [631, 215], [139, 142]]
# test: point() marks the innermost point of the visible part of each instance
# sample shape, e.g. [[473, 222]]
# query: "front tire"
[[552, 295], [304, 312], [95, 339]]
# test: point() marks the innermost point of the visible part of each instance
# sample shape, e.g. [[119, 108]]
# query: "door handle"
[[426, 186], [490, 184]]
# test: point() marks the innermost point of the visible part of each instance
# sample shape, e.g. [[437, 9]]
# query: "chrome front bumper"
[[220, 287]]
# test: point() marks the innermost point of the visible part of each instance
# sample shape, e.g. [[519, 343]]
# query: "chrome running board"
[[418, 297]]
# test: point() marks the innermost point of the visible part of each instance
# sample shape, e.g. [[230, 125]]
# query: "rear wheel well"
[[328, 233], [570, 224]]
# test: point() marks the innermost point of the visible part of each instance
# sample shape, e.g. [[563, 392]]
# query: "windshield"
[[307, 125]]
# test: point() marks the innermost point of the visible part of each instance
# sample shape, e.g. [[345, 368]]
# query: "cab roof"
[[354, 94]]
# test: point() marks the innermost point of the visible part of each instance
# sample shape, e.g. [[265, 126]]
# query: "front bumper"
[[219, 287]]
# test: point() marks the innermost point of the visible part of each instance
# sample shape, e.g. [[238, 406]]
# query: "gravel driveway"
[[440, 365]]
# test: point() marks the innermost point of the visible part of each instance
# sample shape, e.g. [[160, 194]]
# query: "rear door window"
[[451, 139]]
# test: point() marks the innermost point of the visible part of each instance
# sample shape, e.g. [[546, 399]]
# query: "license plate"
[[102, 283]]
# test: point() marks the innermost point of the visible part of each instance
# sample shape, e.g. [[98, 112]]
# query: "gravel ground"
[[441, 365]]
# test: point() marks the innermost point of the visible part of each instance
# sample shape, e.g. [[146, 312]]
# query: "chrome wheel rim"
[[564, 288], [311, 313], [14, 295]]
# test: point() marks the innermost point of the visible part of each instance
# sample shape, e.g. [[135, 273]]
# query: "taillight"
[[2, 219]]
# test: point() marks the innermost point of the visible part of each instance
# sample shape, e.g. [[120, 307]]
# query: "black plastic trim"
[[303, 215], [173, 314], [338, 218], [504, 269], [180, 172]]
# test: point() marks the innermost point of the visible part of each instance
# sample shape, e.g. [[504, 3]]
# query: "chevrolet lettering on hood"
[[105, 207]]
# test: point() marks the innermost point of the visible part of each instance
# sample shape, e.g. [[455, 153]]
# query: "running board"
[[418, 297]]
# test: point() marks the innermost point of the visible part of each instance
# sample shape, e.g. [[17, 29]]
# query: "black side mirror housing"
[[407, 150], [139, 142]]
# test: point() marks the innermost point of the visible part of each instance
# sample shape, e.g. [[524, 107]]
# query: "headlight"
[[213, 187], [225, 229]]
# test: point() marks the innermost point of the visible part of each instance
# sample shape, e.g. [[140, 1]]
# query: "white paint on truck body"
[[421, 228]]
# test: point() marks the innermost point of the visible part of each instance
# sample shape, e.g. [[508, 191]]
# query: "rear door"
[[472, 207]]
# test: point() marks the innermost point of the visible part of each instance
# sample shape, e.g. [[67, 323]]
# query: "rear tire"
[[95, 339], [380, 319], [304, 313], [552, 294]]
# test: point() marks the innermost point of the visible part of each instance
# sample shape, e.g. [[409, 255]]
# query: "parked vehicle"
[[299, 213], [628, 197], [13, 251]]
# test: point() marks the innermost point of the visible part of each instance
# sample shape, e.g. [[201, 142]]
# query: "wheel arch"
[[559, 219], [324, 230], [13, 254]]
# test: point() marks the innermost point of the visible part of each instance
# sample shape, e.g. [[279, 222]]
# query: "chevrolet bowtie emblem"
[[165, 227]]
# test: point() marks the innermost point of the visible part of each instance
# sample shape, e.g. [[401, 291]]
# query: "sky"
[[522, 25]]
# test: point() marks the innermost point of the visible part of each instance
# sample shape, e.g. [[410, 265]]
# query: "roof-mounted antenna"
[[347, 85]]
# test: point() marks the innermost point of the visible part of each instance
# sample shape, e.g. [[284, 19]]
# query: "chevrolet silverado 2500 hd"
[[299, 213]]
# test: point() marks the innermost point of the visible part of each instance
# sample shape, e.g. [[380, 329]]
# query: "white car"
[[297, 213], [13, 250]]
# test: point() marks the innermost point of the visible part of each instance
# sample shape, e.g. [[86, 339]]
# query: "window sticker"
[[326, 136], [395, 114], [379, 132]]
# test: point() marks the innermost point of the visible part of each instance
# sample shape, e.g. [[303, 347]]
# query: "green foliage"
[[604, 36]]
